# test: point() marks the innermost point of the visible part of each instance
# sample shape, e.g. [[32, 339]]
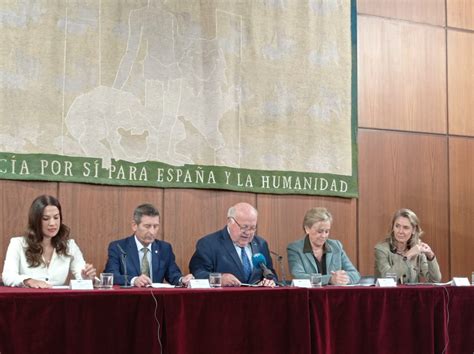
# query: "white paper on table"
[[162, 285], [442, 284]]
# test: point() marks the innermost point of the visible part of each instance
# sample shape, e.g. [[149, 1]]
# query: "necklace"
[[48, 256], [403, 254]]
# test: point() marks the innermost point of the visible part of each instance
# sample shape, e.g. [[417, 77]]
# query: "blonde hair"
[[315, 215], [415, 223]]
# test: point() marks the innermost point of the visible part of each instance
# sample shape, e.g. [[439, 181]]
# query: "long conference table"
[[405, 319]]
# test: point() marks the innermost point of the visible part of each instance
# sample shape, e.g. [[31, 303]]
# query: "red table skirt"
[[426, 319]]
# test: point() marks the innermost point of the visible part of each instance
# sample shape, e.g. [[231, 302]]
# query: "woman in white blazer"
[[45, 255]]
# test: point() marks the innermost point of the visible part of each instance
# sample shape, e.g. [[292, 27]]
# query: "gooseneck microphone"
[[282, 267], [123, 259], [259, 261], [277, 255]]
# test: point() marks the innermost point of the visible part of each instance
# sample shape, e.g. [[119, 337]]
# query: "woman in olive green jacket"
[[403, 252]]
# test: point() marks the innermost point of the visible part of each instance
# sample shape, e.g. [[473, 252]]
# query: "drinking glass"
[[215, 280], [316, 280], [106, 280]]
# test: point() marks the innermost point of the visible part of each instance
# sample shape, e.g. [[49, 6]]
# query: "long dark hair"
[[34, 233]]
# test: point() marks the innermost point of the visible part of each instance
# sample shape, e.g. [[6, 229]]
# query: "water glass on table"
[[106, 280], [316, 280], [215, 280]]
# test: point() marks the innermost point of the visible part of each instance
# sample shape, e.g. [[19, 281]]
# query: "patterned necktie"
[[145, 264], [246, 264]]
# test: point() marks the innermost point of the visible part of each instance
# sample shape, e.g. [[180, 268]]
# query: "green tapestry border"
[[47, 167]]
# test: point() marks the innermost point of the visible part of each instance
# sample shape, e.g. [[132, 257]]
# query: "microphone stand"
[[124, 264], [123, 258], [282, 268]]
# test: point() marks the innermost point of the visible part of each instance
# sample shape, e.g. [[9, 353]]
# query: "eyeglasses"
[[245, 228]]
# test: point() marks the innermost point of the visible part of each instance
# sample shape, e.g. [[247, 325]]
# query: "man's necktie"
[[246, 264], [145, 268]]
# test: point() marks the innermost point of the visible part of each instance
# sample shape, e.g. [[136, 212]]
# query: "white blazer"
[[16, 269]]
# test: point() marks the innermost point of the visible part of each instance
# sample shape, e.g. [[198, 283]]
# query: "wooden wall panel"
[[281, 222], [461, 82], [98, 215], [461, 166], [402, 76], [16, 199], [426, 11], [460, 14], [190, 214], [399, 170]]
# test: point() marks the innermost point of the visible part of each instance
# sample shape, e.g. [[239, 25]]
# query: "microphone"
[[123, 259], [259, 261], [279, 257], [282, 267]]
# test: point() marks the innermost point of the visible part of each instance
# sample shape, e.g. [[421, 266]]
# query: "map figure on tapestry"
[[241, 84], [170, 85]]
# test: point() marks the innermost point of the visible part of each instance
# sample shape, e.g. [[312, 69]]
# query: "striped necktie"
[[246, 264], [145, 268]]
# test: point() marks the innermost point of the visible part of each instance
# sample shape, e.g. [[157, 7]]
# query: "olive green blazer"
[[408, 271]]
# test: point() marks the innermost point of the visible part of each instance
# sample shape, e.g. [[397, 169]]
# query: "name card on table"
[[301, 283], [199, 284], [81, 284], [461, 282], [386, 283]]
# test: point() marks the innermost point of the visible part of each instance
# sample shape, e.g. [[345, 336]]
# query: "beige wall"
[[416, 150]]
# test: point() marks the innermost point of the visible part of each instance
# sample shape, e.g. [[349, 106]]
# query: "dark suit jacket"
[[216, 253], [162, 263]]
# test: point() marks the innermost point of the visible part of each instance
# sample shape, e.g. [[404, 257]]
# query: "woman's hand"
[[414, 251], [88, 272], [36, 284], [426, 249], [339, 277]]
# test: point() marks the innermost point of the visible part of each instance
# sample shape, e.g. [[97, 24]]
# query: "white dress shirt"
[[248, 251], [140, 258]]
